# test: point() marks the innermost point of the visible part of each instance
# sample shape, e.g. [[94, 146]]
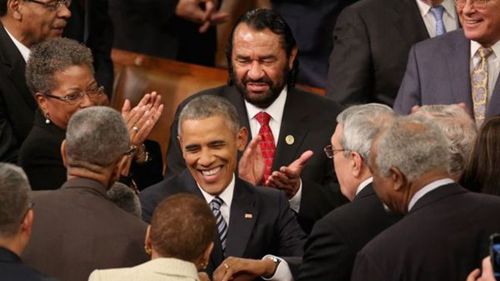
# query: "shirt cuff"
[[295, 200], [282, 273]]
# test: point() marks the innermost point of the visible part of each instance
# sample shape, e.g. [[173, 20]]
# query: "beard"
[[262, 99]]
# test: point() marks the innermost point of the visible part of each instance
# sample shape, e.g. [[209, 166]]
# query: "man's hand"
[[240, 269], [288, 177], [195, 11], [251, 166], [486, 275]]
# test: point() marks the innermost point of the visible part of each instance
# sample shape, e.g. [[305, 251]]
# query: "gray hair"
[[96, 138], [459, 129], [206, 106], [14, 199], [361, 123], [51, 56], [414, 145]]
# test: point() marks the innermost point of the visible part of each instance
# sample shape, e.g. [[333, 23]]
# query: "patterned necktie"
[[267, 142], [221, 223], [479, 83], [437, 12]]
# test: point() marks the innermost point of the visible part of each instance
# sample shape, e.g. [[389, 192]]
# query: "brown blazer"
[[78, 229]]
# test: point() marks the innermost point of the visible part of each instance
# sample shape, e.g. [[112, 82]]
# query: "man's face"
[[480, 22], [210, 149], [260, 64], [343, 166], [388, 188], [40, 22]]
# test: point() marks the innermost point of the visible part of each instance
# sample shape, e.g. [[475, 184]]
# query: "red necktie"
[[267, 142]]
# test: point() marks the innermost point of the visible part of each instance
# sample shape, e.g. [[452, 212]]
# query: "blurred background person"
[[483, 167], [78, 228], [459, 129], [60, 75], [179, 241], [16, 220]]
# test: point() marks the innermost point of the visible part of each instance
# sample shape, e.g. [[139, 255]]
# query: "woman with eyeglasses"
[[60, 75]]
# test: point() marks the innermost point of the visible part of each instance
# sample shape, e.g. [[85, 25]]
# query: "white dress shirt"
[[450, 18], [493, 63], [25, 51], [426, 189]]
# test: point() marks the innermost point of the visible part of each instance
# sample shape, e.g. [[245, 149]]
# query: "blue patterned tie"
[[437, 12], [221, 223]]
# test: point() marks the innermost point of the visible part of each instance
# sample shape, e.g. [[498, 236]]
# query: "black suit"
[[272, 229], [372, 39], [13, 269], [443, 237], [332, 246], [311, 120], [17, 105], [78, 229], [91, 24]]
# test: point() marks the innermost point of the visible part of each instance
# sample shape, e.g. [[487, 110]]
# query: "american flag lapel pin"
[[248, 216]]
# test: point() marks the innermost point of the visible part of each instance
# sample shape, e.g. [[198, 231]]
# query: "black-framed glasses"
[[77, 96], [131, 151], [52, 5], [330, 151]]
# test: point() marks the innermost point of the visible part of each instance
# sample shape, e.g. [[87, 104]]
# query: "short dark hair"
[[260, 19], [14, 200], [483, 165], [182, 227], [3, 7]]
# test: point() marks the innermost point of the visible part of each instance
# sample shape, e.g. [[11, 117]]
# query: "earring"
[[47, 118], [203, 265], [147, 250]]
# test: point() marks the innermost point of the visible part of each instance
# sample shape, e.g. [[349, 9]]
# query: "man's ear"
[[399, 179], [27, 223], [179, 138], [357, 163], [292, 58], [13, 5], [147, 239], [63, 153], [242, 138]]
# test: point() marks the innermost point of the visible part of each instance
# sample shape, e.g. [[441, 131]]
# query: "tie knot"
[[437, 12], [484, 52], [263, 118], [216, 203]]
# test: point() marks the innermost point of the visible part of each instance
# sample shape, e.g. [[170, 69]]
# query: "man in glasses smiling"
[[24, 23]]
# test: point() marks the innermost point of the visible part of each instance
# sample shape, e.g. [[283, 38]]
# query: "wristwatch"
[[276, 263]]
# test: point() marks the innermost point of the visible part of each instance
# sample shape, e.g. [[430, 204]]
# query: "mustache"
[[263, 79]]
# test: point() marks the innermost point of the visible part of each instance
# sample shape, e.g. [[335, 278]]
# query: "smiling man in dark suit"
[[23, 24], [262, 65], [372, 39], [252, 221]]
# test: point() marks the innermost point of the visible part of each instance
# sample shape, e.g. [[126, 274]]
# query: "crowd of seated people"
[[263, 180]]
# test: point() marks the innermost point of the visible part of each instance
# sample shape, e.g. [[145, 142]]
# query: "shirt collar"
[[448, 5], [275, 110], [226, 195], [474, 46], [364, 184], [426, 189], [25, 51]]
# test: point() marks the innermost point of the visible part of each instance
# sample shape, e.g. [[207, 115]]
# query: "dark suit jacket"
[[438, 72], [311, 120], [78, 229], [40, 157], [443, 237], [370, 50], [13, 269], [273, 228], [335, 240], [91, 25], [17, 105]]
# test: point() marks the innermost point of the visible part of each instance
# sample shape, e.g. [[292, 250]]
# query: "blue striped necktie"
[[437, 12], [221, 223]]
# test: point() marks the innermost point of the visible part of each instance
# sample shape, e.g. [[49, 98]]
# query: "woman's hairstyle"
[[483, 166]]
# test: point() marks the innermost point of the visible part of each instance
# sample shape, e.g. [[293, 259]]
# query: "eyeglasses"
[[77, 96], [330, 151], [52, 5], [480, 4]]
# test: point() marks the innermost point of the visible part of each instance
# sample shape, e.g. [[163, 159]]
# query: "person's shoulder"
[[119, 274]]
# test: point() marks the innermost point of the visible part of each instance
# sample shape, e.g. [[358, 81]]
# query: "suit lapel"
[[14, 62], [244, 212], [293, 124], [459, 68], [408, 21]]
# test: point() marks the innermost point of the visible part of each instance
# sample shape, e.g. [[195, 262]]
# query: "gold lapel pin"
[[289, 139], [248, 216]]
